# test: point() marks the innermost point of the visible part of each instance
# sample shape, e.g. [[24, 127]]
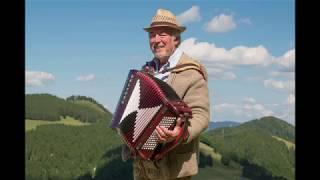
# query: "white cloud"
[[286, 110], [216, 73], [221, 23], [287, 61], [280, 85], [250, 110], [249, 100], [225, 107], [273, 84], [218, 60], [258, 108], [285, 74], [38, 78], [88, 77], [239, 55], [189, 15]]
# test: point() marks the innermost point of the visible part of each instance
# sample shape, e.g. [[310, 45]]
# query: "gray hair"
[[177, 35]]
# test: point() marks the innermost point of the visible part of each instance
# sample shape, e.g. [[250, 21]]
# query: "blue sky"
[[87, 47]]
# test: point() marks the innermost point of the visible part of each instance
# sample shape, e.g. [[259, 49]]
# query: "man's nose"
[[157, 38]]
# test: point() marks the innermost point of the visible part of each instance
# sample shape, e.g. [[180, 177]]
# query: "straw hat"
[[166, 18]]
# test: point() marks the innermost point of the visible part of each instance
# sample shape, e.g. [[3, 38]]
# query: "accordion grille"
[[153, 141]]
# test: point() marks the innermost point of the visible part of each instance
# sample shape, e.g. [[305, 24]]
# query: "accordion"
[[145, 103]]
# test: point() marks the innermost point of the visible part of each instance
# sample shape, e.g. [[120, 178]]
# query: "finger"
[[167, 132], [179, 121], [161, 139], [172, 134], [161, 132]]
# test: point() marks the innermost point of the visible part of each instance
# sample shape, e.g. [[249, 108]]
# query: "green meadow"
[[33, 124]]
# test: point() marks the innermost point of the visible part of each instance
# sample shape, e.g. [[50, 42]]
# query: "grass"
[[89, 104], [32, 124], [288, 143]]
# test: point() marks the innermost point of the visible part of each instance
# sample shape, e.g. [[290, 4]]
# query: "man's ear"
[[176, 40]]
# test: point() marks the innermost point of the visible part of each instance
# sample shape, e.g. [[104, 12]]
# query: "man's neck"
[[163, 61]]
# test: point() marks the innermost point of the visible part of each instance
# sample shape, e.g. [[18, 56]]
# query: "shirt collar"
[[172, 61]]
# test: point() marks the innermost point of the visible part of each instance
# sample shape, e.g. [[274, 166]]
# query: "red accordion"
[[147, 102]]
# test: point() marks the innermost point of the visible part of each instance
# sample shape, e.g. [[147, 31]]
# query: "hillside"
[[70, 152], [33, 124], [84, 100], [52, 108], [67, 148], [273, 126], [253, 145]]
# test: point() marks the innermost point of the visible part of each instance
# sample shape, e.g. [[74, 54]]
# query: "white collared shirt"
[[172, 62]]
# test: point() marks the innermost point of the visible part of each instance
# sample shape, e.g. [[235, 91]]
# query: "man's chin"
[[161, 56]]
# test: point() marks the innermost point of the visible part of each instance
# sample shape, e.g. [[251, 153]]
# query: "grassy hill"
[[253, 145], [50, 108], [273, 126], [68, 148], [69, 152], [33, 124], [89, 105], [290, 145]]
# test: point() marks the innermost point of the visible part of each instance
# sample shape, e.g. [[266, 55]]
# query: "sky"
[[87, 47]]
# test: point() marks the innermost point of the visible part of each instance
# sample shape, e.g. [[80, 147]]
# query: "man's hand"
[[166, 135]]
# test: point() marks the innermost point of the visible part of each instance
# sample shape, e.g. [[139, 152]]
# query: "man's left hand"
[[165, 135]]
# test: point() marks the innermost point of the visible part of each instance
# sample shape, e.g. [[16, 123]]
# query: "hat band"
[[164, 24]]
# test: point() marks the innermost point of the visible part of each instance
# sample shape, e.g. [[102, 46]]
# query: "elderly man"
[[189, 79]]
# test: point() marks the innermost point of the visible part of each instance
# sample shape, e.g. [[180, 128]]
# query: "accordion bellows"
[[147, 102]]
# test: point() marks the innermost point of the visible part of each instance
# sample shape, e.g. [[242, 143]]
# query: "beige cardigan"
[[192, 87]]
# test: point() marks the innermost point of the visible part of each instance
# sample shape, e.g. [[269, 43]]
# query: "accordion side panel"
[[124, 98]]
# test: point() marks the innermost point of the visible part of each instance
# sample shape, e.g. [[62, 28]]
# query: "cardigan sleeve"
[[197, 98]]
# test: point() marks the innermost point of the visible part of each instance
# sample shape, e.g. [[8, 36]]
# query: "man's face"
[[162, 43]]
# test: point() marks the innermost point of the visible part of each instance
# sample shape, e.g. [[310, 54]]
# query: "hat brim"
[[179, 28]]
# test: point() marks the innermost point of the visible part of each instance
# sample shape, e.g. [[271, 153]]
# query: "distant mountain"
[[257, 146], [221, 124], [272, 126]]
